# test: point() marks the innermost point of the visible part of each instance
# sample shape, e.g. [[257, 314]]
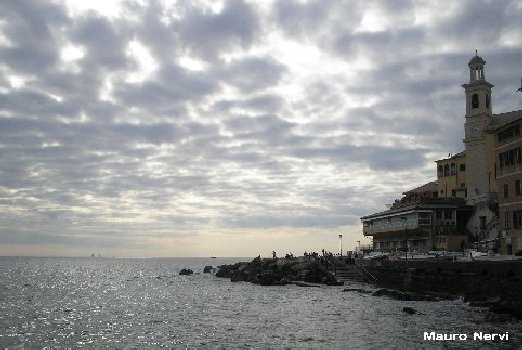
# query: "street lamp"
[[359, 246], [341, 243], [403, 218]]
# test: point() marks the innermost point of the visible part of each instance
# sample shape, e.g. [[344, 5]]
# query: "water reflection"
[[96, 302]]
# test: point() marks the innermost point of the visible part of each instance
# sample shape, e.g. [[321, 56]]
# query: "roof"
[[475, 61], [429, 187], [456, 155], [424, 204], [503, 119]]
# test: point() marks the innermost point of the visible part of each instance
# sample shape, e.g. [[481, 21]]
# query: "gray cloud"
[[247, 141], [207, 35]]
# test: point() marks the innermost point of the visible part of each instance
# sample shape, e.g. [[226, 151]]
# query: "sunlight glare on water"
[[111, 302]]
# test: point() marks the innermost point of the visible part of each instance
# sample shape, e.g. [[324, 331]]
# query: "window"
[[508, 133], [517, 187], [463, 167], [438, 214], [424, 218], [446, 170], [506, 191], [474, 101], [517, 219], [487, 101], [440, 171], [509, 158], [453, 193], [506, 220], [448, 215], [453, 169]]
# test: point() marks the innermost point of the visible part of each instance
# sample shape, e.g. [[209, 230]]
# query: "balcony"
[[369, 230]]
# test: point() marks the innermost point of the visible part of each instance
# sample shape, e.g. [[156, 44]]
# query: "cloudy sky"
[[231, 128]]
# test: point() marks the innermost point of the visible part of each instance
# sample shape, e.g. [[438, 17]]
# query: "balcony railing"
[[395, 226]]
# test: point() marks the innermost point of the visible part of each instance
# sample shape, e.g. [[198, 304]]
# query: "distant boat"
[[212, 257]]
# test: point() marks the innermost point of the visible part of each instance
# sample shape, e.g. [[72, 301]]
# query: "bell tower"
[[479, 169]]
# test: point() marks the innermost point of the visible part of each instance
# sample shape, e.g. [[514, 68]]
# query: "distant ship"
[[212, 257]]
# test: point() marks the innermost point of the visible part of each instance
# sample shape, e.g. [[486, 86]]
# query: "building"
[[462, 208], [420, 221], [508, 175], [480, 158], [451, 176]]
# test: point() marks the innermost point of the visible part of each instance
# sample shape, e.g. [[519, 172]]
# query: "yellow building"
[[451, 176], [465, 209]]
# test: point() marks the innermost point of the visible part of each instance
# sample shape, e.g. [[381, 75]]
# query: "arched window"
[[446, 170], [453, 169], [440, 171], [487, 101], [474, 101]]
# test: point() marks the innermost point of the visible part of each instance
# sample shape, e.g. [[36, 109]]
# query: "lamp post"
[[359, 246], [403, 219], [341, 244]]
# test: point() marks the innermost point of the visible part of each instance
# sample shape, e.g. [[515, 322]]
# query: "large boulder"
[[186, 272]]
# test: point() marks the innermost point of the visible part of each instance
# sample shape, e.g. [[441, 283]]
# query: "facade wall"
[[509, 180], [451, 177]]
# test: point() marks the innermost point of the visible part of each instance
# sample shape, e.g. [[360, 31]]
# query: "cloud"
[[207, 35], [148, 130]]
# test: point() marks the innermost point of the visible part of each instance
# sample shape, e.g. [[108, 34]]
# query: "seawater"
[[144, 303]]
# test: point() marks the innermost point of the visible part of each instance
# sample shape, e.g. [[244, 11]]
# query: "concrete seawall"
[[497, 283]]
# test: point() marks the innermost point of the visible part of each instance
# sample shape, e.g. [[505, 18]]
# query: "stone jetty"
[[279, 272]]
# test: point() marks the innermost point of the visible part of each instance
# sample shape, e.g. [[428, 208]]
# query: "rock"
[[405, 296], [409, 310], [357, 290], [186, 272], [277, 272], [208, 269], [237, 276], [270, 279], [306, 284], [227, 270]]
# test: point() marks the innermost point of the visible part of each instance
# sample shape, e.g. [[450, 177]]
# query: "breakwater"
[[278, 272], [496, 284]]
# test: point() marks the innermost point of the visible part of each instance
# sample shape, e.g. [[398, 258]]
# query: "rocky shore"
[[279, 272]]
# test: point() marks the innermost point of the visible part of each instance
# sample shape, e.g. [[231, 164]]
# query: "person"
[[349, 257]]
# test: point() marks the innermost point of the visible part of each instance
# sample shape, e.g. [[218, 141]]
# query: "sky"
[[231, 128]]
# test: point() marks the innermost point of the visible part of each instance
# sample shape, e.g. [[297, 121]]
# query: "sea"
[[97, 302]]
